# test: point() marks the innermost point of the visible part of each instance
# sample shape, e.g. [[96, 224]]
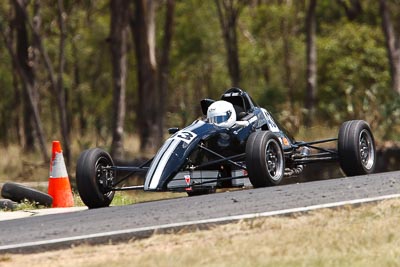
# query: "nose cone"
[[172, 156], [165, 164]]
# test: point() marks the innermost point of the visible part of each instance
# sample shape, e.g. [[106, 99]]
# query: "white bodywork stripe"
[[157, 166], [162, 162], [154, 164]]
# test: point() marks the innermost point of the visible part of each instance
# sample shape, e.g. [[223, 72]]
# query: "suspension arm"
[[224, 158], [229, 159]]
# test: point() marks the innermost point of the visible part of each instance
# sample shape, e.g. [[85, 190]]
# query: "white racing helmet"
[[221, 113]]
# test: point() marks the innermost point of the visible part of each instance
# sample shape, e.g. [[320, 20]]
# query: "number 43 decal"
[[185, 136]]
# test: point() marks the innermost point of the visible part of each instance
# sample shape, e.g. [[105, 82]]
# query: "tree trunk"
[[55, 83], [80, 105], [352, 8], [228, 12], [311, 54], [392, 45], [18, 105], [164, 64], [23, 57], [143, 28], [118, 44], [287, 62], [61, 93], [25, 71]]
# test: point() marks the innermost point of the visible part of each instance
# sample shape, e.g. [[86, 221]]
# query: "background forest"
[[106, 72]]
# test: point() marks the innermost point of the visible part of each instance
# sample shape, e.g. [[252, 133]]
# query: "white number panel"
[[271, 123], [185, 136]]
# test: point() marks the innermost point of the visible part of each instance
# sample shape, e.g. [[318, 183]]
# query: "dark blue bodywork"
[[177, 152]]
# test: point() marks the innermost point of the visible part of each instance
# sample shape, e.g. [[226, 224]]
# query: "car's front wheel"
[[94, 178], [356, 148], [265, 160]]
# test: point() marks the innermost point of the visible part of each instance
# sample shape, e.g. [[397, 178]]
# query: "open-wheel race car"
[[236, 142]]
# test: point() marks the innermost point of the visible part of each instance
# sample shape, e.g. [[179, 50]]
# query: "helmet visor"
[[220, 118]]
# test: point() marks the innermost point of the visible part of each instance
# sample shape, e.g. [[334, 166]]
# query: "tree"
[[163, 72], [263, 50], [311, 55], [288, 31], [25, 70], [56, 83], [392, 45], [56, 80], [118, 44], [150, 91], [59, 86], [27, 63], [228, 13], [143, 25]]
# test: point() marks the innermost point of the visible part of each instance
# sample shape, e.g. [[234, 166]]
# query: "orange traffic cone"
[[59, 186]]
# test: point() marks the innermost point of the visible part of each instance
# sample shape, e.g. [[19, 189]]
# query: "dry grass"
[[21, 166], [16, 165], [365, 236], [317, 133]]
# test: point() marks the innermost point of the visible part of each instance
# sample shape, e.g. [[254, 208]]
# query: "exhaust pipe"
[[305, 151]]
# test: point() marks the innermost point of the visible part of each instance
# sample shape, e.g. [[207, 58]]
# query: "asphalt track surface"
[[32, 233]]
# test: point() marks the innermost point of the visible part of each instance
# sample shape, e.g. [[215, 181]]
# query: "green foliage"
[[353, 70], [272, 45], [333, 13], [197, 61], [353, 77]]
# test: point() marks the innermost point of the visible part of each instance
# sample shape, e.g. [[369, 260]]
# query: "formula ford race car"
[[236, 142]]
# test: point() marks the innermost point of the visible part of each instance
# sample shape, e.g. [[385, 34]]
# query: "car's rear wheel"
[[94, 178], [356, 148], [265, 160]]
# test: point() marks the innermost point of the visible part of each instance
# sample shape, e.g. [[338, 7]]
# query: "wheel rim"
[[104, 176], [367, 149], [274, 160]]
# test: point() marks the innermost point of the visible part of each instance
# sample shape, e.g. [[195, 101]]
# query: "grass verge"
[[364, 236]]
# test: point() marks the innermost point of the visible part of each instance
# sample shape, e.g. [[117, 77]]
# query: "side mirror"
[[173, 130]]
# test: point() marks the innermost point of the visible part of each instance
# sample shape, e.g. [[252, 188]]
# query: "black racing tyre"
[[93, 180], [201, 191], [265, 160], [8, 204], [20, 193], [356, 148]]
